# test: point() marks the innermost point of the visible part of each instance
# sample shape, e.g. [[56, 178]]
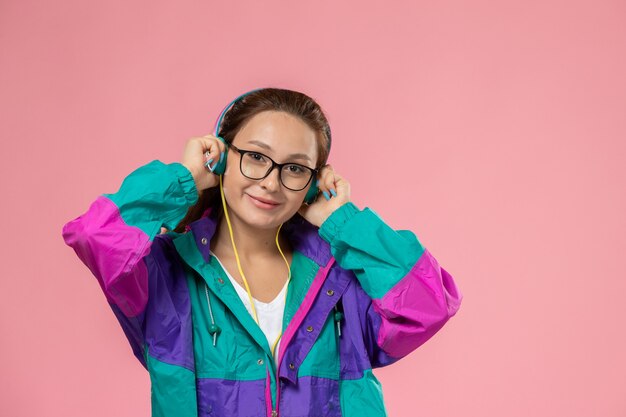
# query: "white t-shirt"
[[270, 314]]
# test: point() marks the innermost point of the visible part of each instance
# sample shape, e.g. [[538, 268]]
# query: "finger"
[[329, 181], [213, 150], [212, 143]]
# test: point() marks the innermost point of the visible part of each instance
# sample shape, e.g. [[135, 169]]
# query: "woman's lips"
[[262, 204]]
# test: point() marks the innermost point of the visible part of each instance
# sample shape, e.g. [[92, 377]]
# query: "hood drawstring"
[[213, 328], [338, 317]]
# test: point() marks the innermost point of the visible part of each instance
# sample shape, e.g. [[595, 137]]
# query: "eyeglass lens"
[[256, 166]]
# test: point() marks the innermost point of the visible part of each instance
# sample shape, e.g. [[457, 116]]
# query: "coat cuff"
[[333, 223], [186, 181]]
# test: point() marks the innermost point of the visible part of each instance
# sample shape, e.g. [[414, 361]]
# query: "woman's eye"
[[295, 169], [256, 156]]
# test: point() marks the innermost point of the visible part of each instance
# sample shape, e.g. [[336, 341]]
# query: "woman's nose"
[[272, 180]]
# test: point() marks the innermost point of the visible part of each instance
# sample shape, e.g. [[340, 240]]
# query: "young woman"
[[261, 297]]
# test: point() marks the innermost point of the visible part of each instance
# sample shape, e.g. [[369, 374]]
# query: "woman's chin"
[[266, 220]]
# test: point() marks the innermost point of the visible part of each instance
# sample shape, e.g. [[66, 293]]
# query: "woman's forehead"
[[280, 133]]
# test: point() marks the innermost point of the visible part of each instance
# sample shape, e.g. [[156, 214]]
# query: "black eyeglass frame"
[[242, 152]]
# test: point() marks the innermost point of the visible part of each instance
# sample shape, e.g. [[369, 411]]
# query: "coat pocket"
[[224, 397], [312, 396]]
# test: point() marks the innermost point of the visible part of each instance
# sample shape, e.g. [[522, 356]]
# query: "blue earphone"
[[221, 166]]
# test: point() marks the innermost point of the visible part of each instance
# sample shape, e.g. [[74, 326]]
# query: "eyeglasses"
[[256, 166]]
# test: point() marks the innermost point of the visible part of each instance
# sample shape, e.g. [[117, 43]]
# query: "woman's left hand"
[[321, 208]]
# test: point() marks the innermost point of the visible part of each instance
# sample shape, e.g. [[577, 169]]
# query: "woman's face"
[[280, 136]]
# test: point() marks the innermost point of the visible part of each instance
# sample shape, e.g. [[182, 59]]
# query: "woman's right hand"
[[195, 156]]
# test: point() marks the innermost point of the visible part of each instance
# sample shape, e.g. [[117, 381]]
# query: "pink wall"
[[494, 130]]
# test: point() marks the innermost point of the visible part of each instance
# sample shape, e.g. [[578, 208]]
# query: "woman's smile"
[[261, 204]]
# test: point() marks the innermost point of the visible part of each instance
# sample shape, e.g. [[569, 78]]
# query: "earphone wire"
[[245, 281]]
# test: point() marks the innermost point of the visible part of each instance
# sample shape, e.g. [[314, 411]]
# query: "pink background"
[[494, 130]]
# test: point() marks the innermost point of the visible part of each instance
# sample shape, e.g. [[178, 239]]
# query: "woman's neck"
[[252, 243]]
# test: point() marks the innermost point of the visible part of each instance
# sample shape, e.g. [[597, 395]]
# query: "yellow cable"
[[245, 281]]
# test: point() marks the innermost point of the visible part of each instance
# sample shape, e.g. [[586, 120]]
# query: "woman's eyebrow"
[[293, 155]]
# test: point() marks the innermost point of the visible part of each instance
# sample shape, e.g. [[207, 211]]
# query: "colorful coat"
[[361, 296]]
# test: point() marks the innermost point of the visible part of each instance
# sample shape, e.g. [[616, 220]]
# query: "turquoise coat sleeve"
[[410, 295]]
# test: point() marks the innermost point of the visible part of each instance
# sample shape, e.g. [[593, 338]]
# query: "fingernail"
[[208, 163], [326, 195], [333, 192], [221, 156]]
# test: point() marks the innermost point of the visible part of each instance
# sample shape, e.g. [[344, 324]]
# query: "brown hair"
[[277, 99]]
